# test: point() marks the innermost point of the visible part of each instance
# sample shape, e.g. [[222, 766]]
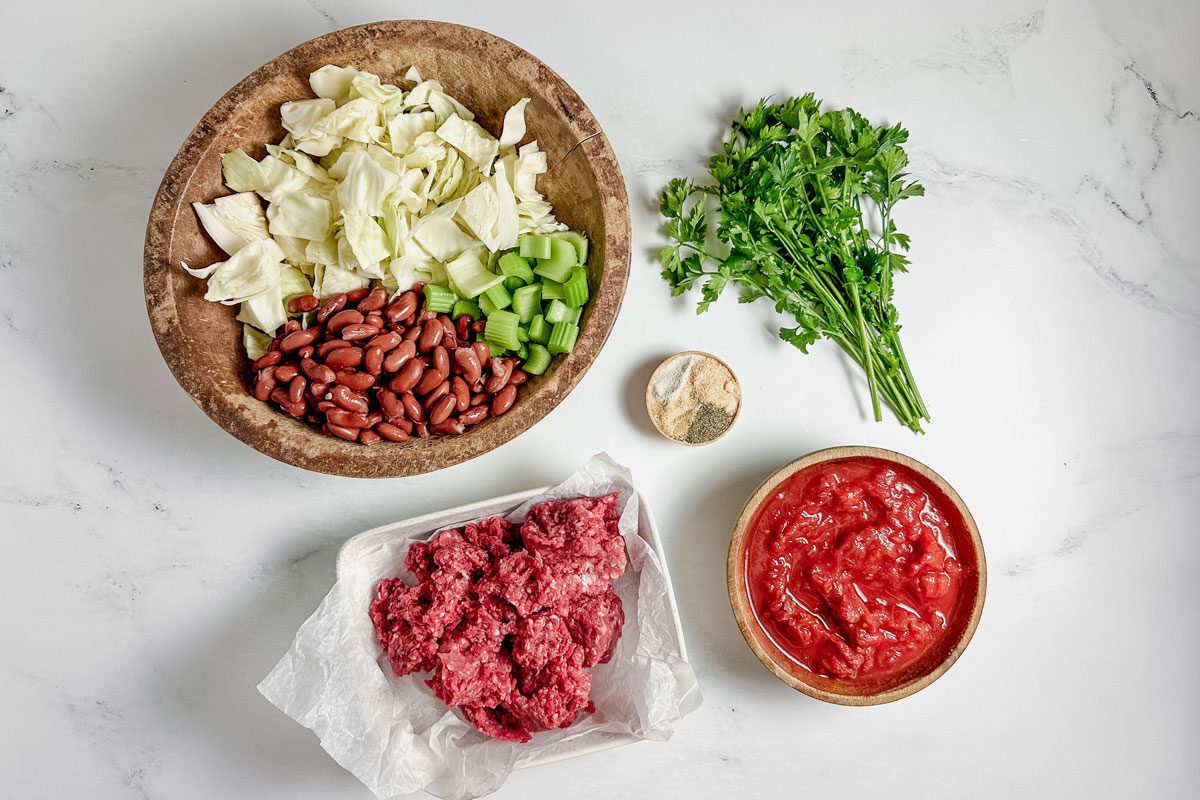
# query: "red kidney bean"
[[439, 391], [332, 306], [348, 399], [447, 428], [342, 319], [504, 400], [305, 352], [386, 341], [408, 377], [412, 334], [326, 406], [479, 326], [425, 316], [468, 363], [448, 325], [501, 370], [412, 408], [391, 432], [347, 419], [479, 399], [269, 359], [302, 304], [285, 372], [462, 325], [440, 412], [473, 415], [462, 394], [291, 326], [422, 430], [440, 359], [358, 381], [431, 335], [280, 397], [375, 300], [482, 352], [402, 308], [429, 380], [396, 358], [297, 339], [318, 389], [373, 361], [375, 320], [389, 401], [349, 434], [368, 438], [403, 423], [326, 348], [358, 294], [374, 418], [346, 358], [264, 384], [296, 388], [518, 377], [317, 372], [353, 333]]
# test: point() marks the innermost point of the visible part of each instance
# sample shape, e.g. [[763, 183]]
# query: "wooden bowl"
[[201, 341], [650, 404], [916, 676]]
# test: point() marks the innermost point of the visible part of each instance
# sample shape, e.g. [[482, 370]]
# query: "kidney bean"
[[479, 326], [280, 397], [318, 389], [482, 352], [448, 427], [348, 399], [332, 306], [297, 339], [501, 370], [468, 364], [448, 326], [431, 335], [518, 377], [358, 381], [479, 398], [402, 308], [353, 333], [412, 408], [373, 361], [375, 300], [374, 418], [269, 359], [346, 358], [342, 319], [439, 391], [285, 372], [305, 352], [273, 346], [386, 341], [326, 348], [422, 430], [368, 438], [375, 320], [302, 304], [396, 358], [403, 423], [473, 415], [358, 294], [347, 419], [391, 432], [503, 400], [349, 434], [264, 384], [429, 380], [462, 394], [296, 388], [317, 372], [462, 325], [412, 334], [440, 359], [291, 326], [325, 406], [441, 410], [426, 315], [408, 377], [389, 401]]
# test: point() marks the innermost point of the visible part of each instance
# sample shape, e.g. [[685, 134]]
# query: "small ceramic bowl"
[[201, 341], [651, 403], [933, 664]]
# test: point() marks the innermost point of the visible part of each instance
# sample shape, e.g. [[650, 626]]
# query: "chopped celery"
[[468, 275], [562, 337], [557, 312], [527, 302], [512, 283], [578, 240], [537, 360], [535, 246], [552, 290], [513, 266], [498, 296], [523, 334], [574, 315], [523, 352], [438, 298], [563, 256], [486, 306], [501, 330], [575, 290], [539, 330], [466, 307]]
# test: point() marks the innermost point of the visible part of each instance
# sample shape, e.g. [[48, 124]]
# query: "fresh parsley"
[[805, 203]]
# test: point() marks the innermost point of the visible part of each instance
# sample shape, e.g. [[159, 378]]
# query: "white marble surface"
[[153, 568]]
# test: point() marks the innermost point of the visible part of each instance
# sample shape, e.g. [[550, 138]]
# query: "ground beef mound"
[[509, 619]]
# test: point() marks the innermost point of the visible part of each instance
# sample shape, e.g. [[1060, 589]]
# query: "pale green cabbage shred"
[[372, 182]]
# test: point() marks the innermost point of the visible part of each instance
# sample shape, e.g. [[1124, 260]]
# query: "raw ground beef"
[[510, 618]]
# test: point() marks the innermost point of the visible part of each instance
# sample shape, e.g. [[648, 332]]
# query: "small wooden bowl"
[[650, 396], [201, 341], [917, 675]]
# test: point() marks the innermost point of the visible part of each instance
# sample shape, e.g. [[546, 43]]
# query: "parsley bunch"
[[805, 202]]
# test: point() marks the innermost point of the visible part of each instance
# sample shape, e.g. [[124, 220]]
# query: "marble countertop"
[[154, 568]]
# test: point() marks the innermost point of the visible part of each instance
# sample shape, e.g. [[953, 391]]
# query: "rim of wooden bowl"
[[650, 395], [907, 683], [292, 441]]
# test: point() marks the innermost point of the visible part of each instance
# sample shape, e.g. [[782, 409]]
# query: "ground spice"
[[693, 398]]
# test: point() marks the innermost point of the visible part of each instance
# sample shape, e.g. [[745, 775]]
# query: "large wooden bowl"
[[201, 342], [916, 676]]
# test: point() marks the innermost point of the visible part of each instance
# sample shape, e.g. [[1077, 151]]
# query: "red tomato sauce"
[[852, 567]]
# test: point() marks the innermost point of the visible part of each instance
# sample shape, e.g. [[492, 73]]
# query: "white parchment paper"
[[396, 737]]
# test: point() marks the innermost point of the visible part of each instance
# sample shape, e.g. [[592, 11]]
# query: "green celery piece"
[[466, 307], [557, 312], [523, 334], [563, 257], [574, 315], [552, 290], [575, 290], [513, 266], [498, 296], [523, 352], [533, 246], [527, 302], [486, 305], [502, 329], [512, 283], [438, 298], [539, 330], [562, 337], [578, 240], [537, 360]]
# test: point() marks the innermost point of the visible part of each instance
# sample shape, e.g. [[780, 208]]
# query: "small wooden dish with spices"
[[693, 398]]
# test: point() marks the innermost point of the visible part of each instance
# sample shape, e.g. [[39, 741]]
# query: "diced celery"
[[438, 298], [501, 330], [523, 352], [539, 330], [486, 306], [513, 266], [562, 337], [527, 302], [575, 290], [523, 334], [468, 275], [535, 246], [574, 315], [512, 283], [552, 290], [557, 312], [537, 360], [466, 307], [578, 240], [499, 297], [563, 256]]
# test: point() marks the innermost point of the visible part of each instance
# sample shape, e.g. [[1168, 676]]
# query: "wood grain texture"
[[917, 675], [201, 341]]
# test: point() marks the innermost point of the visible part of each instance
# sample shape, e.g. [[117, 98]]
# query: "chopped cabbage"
[[233, 221], [252, 270]]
